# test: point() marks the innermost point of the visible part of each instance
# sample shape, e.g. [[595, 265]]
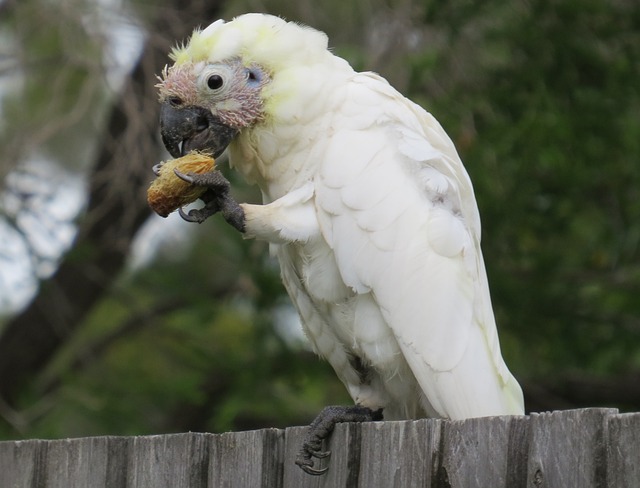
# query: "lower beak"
[[193, 128]]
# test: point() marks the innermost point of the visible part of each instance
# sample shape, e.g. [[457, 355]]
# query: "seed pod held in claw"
[[168, 192]]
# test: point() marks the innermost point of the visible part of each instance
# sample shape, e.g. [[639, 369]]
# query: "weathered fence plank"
[[399, 454], [568, 448], [166, 461], [22, 454], [623, 450], [345, 453], [252, 458], [68, 462], [475, 453], [576, 448]]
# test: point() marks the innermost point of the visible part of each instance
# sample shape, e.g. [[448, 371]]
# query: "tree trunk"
[[117, 208]]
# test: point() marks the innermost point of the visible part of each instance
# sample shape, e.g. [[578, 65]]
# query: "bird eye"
[[214, 82]]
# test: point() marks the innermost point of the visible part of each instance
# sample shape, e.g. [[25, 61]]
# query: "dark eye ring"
[[214, 82]]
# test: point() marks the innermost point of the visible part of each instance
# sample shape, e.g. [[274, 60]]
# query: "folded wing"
[[397, 207]]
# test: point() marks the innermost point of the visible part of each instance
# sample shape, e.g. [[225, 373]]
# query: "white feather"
[[378, 238]]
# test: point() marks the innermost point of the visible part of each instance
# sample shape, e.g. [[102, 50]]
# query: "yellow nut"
[[168, 192]]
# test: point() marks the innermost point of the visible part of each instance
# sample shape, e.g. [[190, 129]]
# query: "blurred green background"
[[113, 321]]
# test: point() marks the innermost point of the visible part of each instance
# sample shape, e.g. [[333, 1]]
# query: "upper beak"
[[185, 129]]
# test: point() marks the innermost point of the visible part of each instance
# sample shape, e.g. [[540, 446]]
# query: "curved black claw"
[[213, 180], [313, 471], [156, 168], [189, 217], [307, 464], [216, 199], [188, 177], [321, 429], [196, 215]]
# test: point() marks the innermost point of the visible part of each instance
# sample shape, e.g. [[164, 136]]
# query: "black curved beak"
[[191, 128]]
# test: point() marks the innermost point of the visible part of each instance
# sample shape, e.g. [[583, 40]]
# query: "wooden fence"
[[573, 449]]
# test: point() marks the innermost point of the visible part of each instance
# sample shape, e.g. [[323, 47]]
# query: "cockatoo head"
[[230, 77]]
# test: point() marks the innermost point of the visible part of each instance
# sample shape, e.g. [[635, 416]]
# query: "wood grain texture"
[[168, 461], [567, 448], [623, 450], [252, 458], [475, 452], [575, 448], [344, 461], [399, 454]]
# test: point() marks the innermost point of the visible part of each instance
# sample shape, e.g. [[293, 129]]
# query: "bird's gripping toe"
[[216, 199], [321, 429]]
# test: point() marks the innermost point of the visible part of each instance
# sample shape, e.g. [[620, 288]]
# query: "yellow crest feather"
[[256, 38]]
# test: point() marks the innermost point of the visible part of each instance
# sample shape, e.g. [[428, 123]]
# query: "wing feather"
[[396, 205]]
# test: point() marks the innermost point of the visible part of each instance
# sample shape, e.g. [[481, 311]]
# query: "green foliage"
[[542, 100], [55, 54], [550, 133], [185, 346]]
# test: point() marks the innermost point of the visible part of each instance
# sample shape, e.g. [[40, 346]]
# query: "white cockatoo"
[[367, 207]]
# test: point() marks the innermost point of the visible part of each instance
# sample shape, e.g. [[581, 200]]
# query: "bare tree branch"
[[116, 210]]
